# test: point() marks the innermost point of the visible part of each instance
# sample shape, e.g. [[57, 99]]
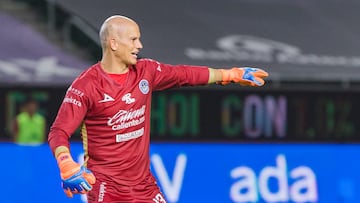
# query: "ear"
[[113, 44]]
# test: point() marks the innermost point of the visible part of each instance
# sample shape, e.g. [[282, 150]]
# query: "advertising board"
[[205, 172]]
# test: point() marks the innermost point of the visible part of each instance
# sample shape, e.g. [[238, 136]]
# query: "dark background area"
[[317, 89], [214, 114]]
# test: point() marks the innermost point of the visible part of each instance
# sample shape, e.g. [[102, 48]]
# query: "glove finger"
[[247, 83], [85, 186], [78, 189], [81, 189], [89, 177], [65, 186], [83, 192], [258, 81], [253, 82], [223, 83], [68, 193], [261, 73]]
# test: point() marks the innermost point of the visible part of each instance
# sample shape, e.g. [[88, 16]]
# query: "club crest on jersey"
[[144, 86]]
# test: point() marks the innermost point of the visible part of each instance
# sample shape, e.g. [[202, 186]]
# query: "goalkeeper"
[[111, 100]]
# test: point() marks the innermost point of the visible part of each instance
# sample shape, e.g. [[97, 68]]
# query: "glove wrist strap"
[[227, 76], [67, 165]]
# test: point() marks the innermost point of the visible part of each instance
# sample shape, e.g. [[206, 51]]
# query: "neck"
[[30, 114], [113, 66]]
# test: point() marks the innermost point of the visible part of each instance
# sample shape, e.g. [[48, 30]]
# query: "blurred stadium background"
[[294, 140]]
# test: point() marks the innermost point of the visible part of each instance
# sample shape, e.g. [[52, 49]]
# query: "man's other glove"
[[76, 179], [245, 76]]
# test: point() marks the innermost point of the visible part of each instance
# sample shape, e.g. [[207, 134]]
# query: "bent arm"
[[69, 118]]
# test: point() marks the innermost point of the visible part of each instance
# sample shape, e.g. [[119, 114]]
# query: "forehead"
[[127, 28], [132, 30]]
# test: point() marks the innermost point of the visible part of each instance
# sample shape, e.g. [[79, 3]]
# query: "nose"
[[139, 45]]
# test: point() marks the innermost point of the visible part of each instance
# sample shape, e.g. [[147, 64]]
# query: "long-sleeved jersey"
[[115, 118]]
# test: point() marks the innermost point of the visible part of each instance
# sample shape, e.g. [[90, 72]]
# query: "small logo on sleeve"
[[72, 101]]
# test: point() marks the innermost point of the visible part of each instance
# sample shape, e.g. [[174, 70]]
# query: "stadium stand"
[[298, 42], [29, 56]]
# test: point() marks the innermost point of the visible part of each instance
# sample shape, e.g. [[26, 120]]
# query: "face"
[[126, 44], [31, 107]]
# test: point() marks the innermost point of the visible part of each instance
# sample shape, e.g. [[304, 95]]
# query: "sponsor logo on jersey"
[[107, 98], [127, 118], [144, 86], [102, 191], [159, 198], [130, 135], [75, 91], [72, 101], [127, 98]]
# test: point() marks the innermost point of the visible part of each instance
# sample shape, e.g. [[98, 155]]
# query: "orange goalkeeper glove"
[[76, 179], [245, 76]]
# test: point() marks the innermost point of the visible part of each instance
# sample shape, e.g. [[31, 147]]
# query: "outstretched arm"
[[215, 75], [245, 76]]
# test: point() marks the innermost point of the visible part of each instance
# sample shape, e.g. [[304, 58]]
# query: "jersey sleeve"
[[70, 115], [168, 76]]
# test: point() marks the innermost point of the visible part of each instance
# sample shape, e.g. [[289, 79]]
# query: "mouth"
[[135, 54]]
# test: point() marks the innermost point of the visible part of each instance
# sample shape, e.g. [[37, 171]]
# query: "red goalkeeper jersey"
[[115, 118]]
